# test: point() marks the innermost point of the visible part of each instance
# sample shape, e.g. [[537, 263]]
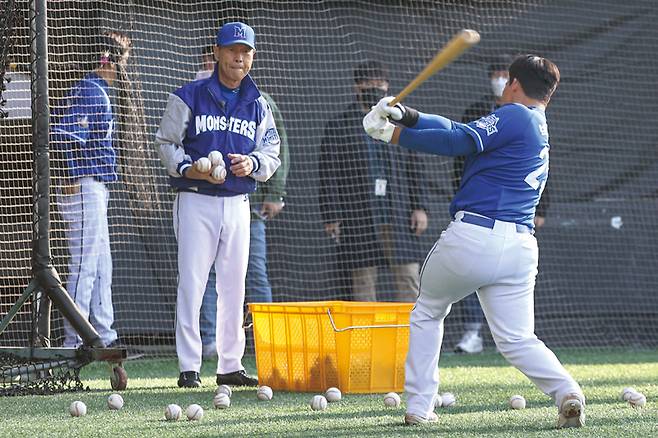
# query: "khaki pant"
[[364, 280]]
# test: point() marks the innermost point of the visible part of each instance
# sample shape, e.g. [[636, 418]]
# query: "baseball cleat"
[[414, 420], [572, 412], [189, 379], [237, 378], [471, 343]]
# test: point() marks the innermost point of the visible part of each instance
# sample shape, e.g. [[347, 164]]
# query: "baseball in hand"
[[215, 158], [333, 395], [224, 389], [392, 400], [448, 399], [517, 402], [78, 409], [264, 393], [219, 173], [173, 412], [115, 402], [318, 403], [202, 165], [221, 401], [194, 412]]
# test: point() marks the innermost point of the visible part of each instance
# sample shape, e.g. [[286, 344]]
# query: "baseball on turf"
[[219, 173], [115, 402], [194, 412], [264, 393], [626, 393], [448, 399], [78, 409], [392, 400], [333, 395], [202, 164], [318, 403], [224, 389], [517, 402], [438, 401], [221, 401], [637, 399], [215, 158], [173, 412]]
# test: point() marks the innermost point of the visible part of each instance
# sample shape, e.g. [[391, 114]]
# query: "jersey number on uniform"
[[537, 178]]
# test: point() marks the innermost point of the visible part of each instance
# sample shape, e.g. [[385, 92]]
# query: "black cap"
[[369, 70]]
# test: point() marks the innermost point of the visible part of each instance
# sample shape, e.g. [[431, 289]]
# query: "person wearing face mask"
[[372, 200], [471, 340]]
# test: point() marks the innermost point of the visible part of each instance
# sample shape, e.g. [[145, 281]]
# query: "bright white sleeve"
[[170, 135], [266, 153]]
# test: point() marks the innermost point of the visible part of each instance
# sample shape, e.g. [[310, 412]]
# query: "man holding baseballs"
[[226, 113], [489, 247]]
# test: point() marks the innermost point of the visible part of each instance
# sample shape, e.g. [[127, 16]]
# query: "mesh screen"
[[597, 263]]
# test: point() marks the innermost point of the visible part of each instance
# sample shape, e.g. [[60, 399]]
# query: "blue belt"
[[489, 223]]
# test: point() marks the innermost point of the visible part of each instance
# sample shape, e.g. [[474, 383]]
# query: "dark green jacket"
[[274, 190]]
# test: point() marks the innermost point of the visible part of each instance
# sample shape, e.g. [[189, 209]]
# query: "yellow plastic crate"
[[359, 347]]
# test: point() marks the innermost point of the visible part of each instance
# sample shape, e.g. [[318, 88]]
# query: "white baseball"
[[202, 164], [318, 403], [438, 401], [224, 389], [221, 401], [333, 395], [517, 402], [264, 393], [215, 158], [219, 172], [78, 409], [392, 400], [173, 412], [115, 402], [194, 412], [448, 399], [626, 393], [637, 399]]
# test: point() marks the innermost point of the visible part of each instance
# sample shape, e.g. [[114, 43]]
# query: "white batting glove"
[[378, 126], [394, 112]]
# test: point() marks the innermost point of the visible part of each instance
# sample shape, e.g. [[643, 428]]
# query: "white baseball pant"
[[211, 229], [501, 264], [89, 281]]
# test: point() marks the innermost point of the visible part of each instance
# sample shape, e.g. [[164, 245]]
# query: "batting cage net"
[[597, 270]]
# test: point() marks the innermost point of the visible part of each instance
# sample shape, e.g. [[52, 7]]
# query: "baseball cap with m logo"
[[236, 33]]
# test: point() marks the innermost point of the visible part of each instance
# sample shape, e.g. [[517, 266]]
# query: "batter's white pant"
[[211, 229], [501, 264], [89, 281]]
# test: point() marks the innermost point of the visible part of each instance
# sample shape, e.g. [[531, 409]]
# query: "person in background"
[[372, 198]]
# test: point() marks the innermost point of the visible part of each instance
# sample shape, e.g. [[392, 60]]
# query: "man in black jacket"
[[372, 199], [471, 341]]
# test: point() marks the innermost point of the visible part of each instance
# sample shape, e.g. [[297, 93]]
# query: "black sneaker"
[[237, 378], [189, 379]]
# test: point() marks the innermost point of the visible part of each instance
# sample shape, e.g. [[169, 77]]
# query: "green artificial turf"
[[482, 384]]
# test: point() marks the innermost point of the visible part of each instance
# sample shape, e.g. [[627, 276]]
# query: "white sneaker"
[[572, 412], [209, 351], [413, 419], [470, 343]]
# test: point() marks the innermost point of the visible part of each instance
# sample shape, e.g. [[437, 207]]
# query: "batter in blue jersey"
[[489, 246]]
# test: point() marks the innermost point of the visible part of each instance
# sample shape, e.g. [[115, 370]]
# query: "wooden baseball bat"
[[455, 47]]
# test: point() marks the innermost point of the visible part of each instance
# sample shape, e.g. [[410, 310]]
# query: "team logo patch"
[[83, 122], [271, 136], [239, 32], [488, 123]]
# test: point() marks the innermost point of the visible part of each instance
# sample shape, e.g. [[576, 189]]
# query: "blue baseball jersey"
[[84, 128], [505, 178]]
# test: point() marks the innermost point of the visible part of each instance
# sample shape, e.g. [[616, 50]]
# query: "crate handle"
[[352, 327]]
